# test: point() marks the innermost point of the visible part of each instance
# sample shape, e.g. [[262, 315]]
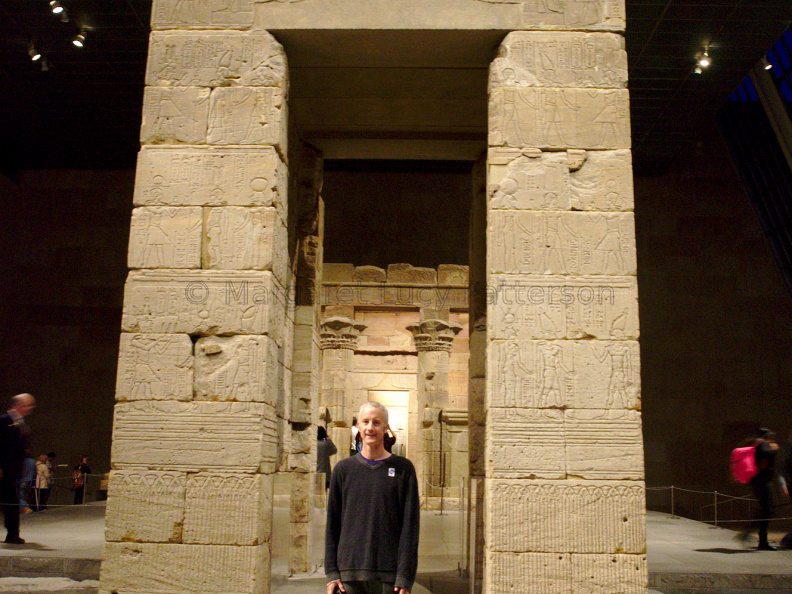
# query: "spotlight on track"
[[34, 54], [56, 7], [79, 41], [765, 63], [704, 60]]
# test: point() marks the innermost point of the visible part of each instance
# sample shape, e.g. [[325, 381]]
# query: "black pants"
[[763, 494], [79, 495], [370, 587], [9, 495]]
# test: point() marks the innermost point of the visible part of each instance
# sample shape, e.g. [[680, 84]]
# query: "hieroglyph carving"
[[165, 237], [207, 176], [174, 115], [562, 243], [236, 238], [155, 367], [145, 506], [559, 118], [194, 436], [530, 179], [240, 368], [205, 302], [215, 58], [248, 115], [564, 573], [573, 14], [557, 444], [565, 374], [201, 14], [545, 306], [566, 516], [560, 59]]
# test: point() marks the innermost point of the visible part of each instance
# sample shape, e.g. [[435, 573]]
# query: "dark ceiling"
[[83, 110]]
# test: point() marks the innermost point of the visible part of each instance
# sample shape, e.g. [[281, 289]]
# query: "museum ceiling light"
[[79, 41], [698, 70], [34, 54], [56, 7], [704, 60], [765, 63]]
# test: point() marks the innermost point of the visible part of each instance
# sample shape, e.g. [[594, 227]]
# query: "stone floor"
[[64, 548]]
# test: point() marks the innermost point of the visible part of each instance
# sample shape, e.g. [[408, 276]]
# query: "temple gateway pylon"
[[220, 381]]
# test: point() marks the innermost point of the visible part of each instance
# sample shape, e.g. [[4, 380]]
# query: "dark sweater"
[[373, 522]]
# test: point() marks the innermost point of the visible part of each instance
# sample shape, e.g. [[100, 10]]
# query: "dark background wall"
[[64, 243], [716, 322]]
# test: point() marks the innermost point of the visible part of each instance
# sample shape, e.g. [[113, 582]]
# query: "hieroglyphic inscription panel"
[[145, 506], [565, 374], [248, 115], [208, 176], [201, 14], [237, 238], [549, 306], [240, 368], [525, 443], [155, 367], [567, 516], [228, 509], [165, 237], [215, 58], [530, 179], [194, 436], [604, 444], [174, 115], [559, 118], [174, 568], [572, 14], [560, 59], [563, 243], [205, 302]]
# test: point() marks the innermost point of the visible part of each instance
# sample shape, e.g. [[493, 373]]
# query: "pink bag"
[[743, 464]]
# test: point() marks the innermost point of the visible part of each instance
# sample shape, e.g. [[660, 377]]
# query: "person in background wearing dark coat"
[[81, 472], [14, 448], [324, 449]]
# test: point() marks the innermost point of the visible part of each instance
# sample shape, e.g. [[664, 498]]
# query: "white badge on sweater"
[[391, 472]]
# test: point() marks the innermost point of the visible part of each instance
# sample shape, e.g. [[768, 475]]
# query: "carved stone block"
[[238, 238], [572, 14], [452, 275], [545, 306], [369, 274], [407, 274], [155, 367], [529, 573], [240, 368], [565, 374], [525, 443], [566, 516], [248, 115], [603, 574], [171, 568], [338, 273], [215, 59], [205, 302], [201, 14], [560, 59], [207, 176], [194, 436], [233, 509], [145, 506], [604, 444], [603, 181], [561, 243], [165, 237], [559, 118], [174, 116]]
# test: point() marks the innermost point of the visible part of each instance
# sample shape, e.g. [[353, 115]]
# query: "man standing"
[[13, 451], [371, 545]]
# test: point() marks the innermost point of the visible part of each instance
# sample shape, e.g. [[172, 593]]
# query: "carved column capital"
[[434, 335], [337, 332]]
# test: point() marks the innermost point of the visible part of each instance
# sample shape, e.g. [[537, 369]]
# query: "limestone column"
[[201, 369], [339, 336], [433, 338], [564, 455]]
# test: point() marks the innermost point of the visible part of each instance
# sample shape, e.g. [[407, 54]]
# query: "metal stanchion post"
[[716, 508], [672, 502]]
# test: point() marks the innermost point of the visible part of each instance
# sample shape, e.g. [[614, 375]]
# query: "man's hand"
[[401, 591], [335, 584]]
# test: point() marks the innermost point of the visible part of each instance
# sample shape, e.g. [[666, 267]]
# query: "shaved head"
[[23, 403]]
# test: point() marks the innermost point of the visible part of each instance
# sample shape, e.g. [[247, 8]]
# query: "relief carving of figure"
[[552, 363], [621, 372]]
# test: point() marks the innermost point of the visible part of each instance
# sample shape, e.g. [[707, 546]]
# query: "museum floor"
[[64, 547]]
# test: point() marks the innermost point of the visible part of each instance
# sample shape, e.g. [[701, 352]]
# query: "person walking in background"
[[26, 482], [43, 476], [14, 447], [324, 449], [354, 448], [81, 472], [371, 541]]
